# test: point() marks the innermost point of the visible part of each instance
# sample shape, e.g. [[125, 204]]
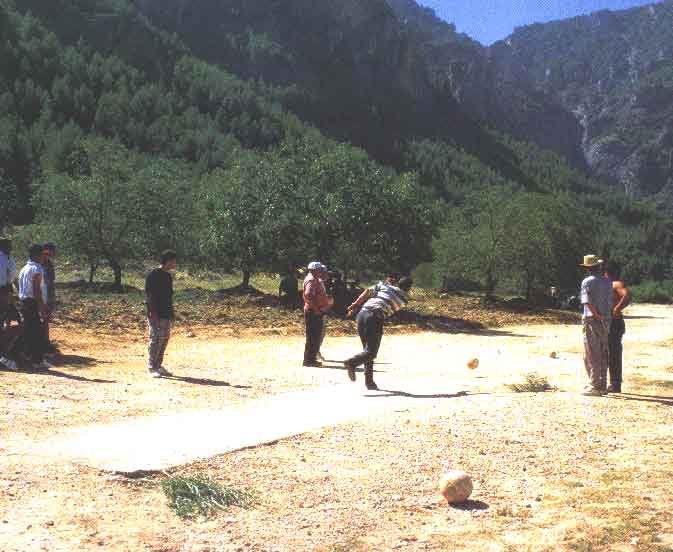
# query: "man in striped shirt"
[[378, 303]]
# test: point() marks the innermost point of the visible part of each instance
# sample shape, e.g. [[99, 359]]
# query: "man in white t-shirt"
[[33, 297]]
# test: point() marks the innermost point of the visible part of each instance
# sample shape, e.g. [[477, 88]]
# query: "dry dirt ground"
[[552, 471]]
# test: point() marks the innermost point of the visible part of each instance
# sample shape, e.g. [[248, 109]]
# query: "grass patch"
[[532, 384], [196, 496]]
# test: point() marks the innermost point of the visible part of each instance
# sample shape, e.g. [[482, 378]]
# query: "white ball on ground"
[[455, 486]]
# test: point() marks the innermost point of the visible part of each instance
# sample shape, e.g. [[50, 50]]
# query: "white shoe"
[[44, 365], [593, 393], [9, 364], [320, 358], [160, 372]]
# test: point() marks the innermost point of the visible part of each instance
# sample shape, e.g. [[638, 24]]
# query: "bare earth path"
[[552, 471]]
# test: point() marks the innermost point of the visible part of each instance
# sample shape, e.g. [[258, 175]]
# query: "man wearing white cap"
[[316, 305], [597, 298]]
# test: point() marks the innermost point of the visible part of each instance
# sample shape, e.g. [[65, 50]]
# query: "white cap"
[[315, 265]]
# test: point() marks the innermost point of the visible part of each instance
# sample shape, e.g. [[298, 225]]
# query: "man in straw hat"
[[597, 298]]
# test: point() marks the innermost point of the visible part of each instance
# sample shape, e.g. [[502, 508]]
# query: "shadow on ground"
[[207, 382], [58, 374], [471, 506], [78, 361], [396, 393], [447, 324], [659, 399]]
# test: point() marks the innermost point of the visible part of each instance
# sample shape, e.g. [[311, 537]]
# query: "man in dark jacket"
[[160, 313]]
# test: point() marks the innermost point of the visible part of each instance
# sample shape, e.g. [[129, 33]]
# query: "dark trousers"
[[33, 340], [370, 328], [617, 331], [314, 324]]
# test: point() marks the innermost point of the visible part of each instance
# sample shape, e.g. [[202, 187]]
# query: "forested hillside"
[[121, 137]]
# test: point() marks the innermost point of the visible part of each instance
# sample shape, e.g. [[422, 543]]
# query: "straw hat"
[[591, 261]]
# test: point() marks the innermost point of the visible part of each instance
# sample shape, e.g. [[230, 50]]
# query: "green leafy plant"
[[200, 496]]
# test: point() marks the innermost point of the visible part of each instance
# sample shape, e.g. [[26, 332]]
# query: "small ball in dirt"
[[473, 364], [455, 486], [191, 334], [553, 354]]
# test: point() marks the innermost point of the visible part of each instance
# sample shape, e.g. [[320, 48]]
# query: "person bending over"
[[378, 303]]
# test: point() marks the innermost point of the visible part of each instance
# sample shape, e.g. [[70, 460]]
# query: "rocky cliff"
[[614, 72]]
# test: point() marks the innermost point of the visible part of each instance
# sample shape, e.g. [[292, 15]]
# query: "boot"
[[369, 378]]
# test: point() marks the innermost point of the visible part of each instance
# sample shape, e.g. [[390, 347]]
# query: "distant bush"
[[654, 292]]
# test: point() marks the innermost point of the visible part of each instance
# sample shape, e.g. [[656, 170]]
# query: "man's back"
[[597, 291]]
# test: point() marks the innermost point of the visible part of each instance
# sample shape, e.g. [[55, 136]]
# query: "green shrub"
[[653, 292], [532, 384]]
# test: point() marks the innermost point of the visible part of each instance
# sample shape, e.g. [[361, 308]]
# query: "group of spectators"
[[27, 303]]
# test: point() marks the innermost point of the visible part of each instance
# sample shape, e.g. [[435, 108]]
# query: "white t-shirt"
[[26, 281], [7, 269]]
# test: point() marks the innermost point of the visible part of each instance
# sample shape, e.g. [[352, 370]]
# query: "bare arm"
[[37, 293], [366, 294], [623, 297]]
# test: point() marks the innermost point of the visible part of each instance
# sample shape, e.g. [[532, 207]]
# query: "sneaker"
[[44, 365], [155, 374], [593, 393], [614, 388], [371, 386], [315, 364], [163, 373], [9, 364], [351, 370], [320, 358]]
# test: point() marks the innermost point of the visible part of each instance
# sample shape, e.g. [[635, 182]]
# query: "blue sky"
[[491, 20]]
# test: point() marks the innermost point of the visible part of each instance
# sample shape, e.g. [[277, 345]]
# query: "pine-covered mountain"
[[594, 89]]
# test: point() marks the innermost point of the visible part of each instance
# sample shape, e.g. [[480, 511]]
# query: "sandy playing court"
[[357, 470]]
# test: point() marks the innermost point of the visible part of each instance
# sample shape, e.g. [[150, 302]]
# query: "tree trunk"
[[117, 269], [246, 279], [490, 285], [93, 267]]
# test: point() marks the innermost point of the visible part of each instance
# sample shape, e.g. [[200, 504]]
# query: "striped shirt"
[[26, 281], [386, 298]]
